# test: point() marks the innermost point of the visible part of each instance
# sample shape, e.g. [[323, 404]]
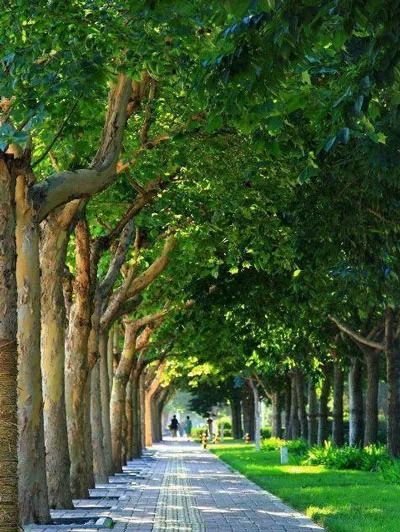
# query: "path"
[[180, 487]]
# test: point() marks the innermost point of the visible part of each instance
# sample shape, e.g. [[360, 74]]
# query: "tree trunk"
[[118, 394], [96, 420], [338, 385], [116, 355], [124, 428], [105, 402], [137, 438], [110, 358], [9, 515], [149, 395], [33, 498], [355, 403], [393, 381], [88, 432], [129, 420], [236, 412], [276, 415], [248, 413], [116, 414], [142, 410], [54, 240], [294, 419], [160, 407], [257, 415], [77, 369], [312, 414], [162, 398], [288, 402], [301, 404], [154, 417], [371, 358], [323, 410]]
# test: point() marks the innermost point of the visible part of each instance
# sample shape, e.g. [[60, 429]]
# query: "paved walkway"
[[180, 487]]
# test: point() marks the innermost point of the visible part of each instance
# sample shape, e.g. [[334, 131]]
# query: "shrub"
[[296, 447], [391, 472], [197, 432], [375, 458], [265, 432], [227, 426], [371, 458], [226, 421], [272, 444]]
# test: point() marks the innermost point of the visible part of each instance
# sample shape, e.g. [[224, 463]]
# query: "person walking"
[[188, 427], [174, 426]]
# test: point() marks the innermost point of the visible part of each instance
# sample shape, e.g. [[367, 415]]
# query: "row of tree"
[[251, 147]]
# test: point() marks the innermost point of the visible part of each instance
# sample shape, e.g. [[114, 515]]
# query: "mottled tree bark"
[[323, 410], [77, 369], [257, 414], [88, 432], [110, 356], [96, 420], [248, 413], [142, 410], [338, 386], [33, 498], [288, 402], [161, 400], [129, 420], [53, 250], [150, 390], [371, 400], [301, 404], [105, 401], [9, 515], [154, 417], [118, 394], [355, 403], [276, 431], [236, 413], [312, 414], [294, 426], [124, 428], [136, 412]]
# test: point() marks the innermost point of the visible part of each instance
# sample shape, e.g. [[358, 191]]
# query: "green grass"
[[341, 501]]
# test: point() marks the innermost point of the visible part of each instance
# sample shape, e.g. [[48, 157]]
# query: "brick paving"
[[180, 487]]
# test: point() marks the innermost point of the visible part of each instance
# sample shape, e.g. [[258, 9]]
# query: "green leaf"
[[214, 122], [274, 124], [305, 76]]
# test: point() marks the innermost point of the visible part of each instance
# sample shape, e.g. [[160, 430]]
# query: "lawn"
[[341, 501]]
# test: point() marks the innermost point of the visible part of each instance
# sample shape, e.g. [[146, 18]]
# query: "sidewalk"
[[180, 487]]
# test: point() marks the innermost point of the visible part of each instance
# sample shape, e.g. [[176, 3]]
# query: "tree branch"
[[154, 270], [65, 186], [150, 318], [116, 263], [355, 336], [141, 200]]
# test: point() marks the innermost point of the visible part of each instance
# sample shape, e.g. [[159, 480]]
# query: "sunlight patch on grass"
[[339, 500]]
